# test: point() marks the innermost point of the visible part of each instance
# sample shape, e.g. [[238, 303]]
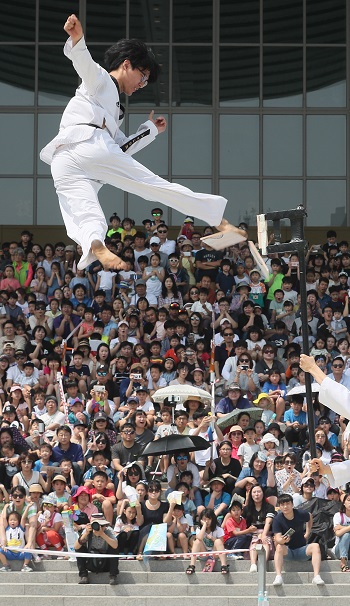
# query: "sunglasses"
[[101, 442], [133, 473], [182, 458], [153, 490], [337, 365], [162, 231], [155, 244], [310, 484], [128, 433], [102, 374], [269, 351], [229, 334], [17, 496]]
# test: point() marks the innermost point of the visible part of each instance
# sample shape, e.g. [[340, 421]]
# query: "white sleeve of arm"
[[335, 396], [89, 71], [145, 134], [227, 369], [340, 474]]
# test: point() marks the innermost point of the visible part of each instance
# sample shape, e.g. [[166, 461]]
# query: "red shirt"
[[106, 493], [231, 525]]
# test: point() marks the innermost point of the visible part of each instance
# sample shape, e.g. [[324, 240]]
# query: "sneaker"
[[5, 569], [253, 568], [317, 580], [26, 568], [164, 478], [232, 556], [36, 558], [239, 557], [278, 581], [83, 580], [113, 580]]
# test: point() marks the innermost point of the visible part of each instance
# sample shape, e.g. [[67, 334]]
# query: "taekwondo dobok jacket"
[[96, 103]]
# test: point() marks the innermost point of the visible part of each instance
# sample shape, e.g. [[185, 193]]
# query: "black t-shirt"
[[262, 367], [258, 518], [126, 455], [281, 524], [234, 468], [154, 516], [144, 438], [206, 256]]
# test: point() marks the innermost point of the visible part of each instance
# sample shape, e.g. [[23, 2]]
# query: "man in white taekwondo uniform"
[[337, 397], [90, 150]]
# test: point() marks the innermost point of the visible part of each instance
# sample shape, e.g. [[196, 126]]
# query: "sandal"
[[344, 565], [191, 569], [139, 557], [225, 569]]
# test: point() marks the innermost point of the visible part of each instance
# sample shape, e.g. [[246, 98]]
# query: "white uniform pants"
[[79, 170]]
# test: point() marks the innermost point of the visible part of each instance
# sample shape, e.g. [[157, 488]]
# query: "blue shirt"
[[74, 453], [248, 472], [225, 405], [225, 498], [290, 416]]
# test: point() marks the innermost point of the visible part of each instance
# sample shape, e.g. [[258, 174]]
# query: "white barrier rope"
[[82, 554]]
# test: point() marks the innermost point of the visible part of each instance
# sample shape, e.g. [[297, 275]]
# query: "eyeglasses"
[[324, 423], [144, 79], [102, 374], [162, 231], [129, 433], [235, 433], [182, 458], [228, 334], [156, 214], [269, 351], [337, 365]]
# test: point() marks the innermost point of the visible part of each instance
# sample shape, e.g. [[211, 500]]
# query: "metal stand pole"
[[297, 244]]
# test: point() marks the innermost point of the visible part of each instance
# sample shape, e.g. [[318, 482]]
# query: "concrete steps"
[[55, 583]]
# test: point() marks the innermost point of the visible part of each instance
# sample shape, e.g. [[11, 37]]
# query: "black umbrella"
[[175, 443]]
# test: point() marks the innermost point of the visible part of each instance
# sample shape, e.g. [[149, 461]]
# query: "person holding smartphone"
[[293, 545]]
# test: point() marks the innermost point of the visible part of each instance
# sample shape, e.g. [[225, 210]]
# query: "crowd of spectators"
[[82, 354]]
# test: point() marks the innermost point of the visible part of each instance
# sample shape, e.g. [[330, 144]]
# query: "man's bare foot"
[[226, 226], [106, 257]]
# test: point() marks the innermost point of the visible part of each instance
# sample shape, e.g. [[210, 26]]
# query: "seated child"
[[217, 500], [209, 536], [14, 537], [235, 528], [127, 527], [179, 529], [59, 485], [247, 448], [50, 526], [102, 497], [99, 463], [267, 404]]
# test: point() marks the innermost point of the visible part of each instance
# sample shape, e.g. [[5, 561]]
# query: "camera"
[[244, 366], [41, 427], [99, 388], [95, 526], [187, 253], [137, 376], [173, 400]]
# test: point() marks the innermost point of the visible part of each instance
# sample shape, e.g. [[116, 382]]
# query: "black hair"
[[136, 51], [209, 513], [102, 474], [284, 498]]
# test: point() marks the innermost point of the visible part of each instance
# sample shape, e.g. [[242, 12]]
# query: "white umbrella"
[[300, 389], [184, 392]]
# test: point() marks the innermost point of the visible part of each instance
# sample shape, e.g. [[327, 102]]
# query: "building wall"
[[254, 91]]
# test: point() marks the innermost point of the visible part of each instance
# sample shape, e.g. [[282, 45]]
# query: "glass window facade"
[[255, 93]]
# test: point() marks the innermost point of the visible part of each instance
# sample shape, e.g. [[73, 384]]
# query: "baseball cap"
[[224, 320], [75, 401], [8, 409], [154, 240], [133, 399], [59, 477], [100, 415], [140, 283], [15, 387]]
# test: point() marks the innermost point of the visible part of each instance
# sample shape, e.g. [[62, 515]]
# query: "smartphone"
[[137, 376], [289, 533], [187, 253], [41, 427], [99, 388], [294, 264]]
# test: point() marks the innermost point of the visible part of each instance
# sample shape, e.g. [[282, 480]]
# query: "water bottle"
[[260, 598], [266, 601]]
